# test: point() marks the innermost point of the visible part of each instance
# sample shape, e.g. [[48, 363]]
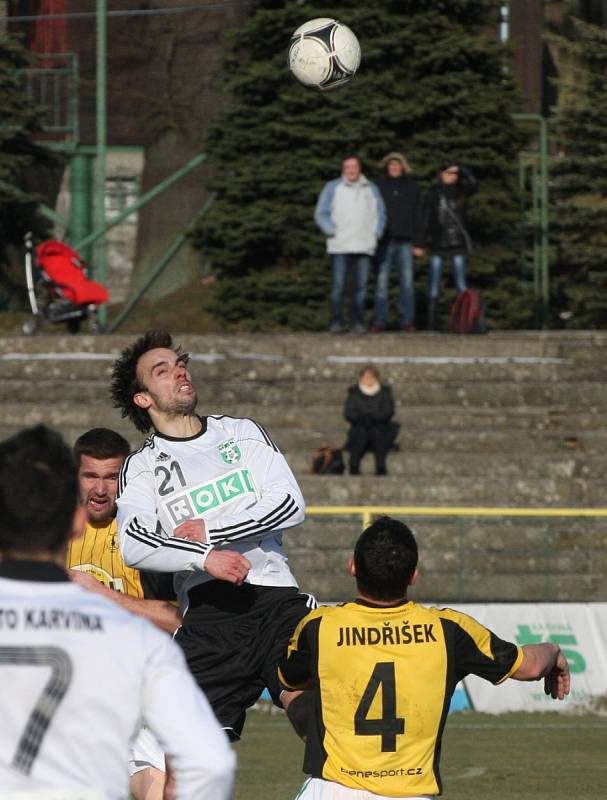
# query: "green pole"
[[99, 259], [143, 200], [52, 215], [544, 212], [160, 267], [545, 222], [79, 224]]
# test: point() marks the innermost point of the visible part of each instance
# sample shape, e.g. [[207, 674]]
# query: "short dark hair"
[[385, 558], [100, 443], [38, 491], [125, 385]]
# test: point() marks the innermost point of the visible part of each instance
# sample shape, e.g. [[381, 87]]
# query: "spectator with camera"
[[445, 232]]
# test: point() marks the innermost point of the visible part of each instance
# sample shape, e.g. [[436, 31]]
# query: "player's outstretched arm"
[[163, 614], [548, 662]]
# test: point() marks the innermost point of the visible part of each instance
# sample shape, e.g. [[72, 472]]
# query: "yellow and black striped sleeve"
[[478, 651], [299, 664]]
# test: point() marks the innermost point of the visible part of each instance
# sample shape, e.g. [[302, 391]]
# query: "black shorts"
[[233, 638]]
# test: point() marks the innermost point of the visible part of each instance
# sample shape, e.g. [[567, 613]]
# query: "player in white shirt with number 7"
[[79, 674]]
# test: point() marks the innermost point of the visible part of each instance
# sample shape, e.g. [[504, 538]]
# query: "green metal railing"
[[55, 88]]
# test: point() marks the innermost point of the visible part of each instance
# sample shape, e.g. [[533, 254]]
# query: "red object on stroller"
[[64, 268], [66, 294]]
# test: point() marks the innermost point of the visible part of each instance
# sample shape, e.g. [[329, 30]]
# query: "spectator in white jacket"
[[351, 213]]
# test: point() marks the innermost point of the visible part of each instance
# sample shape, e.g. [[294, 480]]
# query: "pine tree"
[[432, 83], [19, 125], [579, 180]]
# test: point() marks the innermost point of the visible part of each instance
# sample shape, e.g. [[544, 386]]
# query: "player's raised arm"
[[279, 503]]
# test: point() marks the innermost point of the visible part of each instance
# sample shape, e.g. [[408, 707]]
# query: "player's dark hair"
[[385, 558], [125, 385], [101, 443], [38, 491]]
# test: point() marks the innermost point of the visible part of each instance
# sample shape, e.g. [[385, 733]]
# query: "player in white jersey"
[[208, 497], [78, 674]]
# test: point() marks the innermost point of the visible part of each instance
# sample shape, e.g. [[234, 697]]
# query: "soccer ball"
[[324, 53]]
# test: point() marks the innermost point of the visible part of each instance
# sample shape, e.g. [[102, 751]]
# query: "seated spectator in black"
[[369, 410]]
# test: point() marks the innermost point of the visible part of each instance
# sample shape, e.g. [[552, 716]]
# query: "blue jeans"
[[459, 273], [400, 254], [357, 264]]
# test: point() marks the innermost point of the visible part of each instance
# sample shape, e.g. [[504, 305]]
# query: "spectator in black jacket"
[[369, 410], [444, 229], [402, 240]]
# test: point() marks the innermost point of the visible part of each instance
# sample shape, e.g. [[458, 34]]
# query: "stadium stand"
[[509, 420]]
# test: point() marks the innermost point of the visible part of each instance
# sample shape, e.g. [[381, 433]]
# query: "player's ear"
[[78, 522], [142, 399], [414, 577], [351, 567]]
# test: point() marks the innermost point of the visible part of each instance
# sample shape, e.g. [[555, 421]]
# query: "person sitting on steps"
[[369, 409]]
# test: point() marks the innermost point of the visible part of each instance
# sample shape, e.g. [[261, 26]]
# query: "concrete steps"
[[509, 419], [473, 559]]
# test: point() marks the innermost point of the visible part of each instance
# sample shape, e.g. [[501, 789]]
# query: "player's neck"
[[387, 603], [178, 427]]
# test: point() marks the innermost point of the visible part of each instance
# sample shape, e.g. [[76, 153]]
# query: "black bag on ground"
[[327, 461], [468, 313]]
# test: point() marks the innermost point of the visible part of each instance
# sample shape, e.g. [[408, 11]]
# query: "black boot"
[[431, 314]]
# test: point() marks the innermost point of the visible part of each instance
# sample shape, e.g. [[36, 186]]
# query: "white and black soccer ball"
[[324, 53]]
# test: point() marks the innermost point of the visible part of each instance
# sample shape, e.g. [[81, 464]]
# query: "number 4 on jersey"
[[388, 726]]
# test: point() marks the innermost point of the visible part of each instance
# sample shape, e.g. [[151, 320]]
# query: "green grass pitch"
[[545, 756]]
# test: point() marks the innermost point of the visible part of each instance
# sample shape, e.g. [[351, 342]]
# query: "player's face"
[[98, 482], [168, 384], [351, 169]]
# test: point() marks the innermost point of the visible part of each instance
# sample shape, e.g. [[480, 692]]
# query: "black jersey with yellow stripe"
[[382, 680]]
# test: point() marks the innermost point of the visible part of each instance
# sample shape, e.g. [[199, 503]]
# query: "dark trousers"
[[377, 439], [233, 638]]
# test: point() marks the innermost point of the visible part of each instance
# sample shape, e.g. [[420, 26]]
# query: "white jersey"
[[233, 477], [78, 676]]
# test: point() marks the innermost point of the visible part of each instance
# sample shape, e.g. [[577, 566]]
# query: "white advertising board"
[[579, 628]]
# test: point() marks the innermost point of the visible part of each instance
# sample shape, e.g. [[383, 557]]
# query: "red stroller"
[[67, 295]]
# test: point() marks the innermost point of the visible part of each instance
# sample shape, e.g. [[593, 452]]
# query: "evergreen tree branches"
[[579, 179], [19, 125], [432, 84]]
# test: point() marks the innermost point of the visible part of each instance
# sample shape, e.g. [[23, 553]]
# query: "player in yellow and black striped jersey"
[[96, 564], [99, 455], [383, 669]]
